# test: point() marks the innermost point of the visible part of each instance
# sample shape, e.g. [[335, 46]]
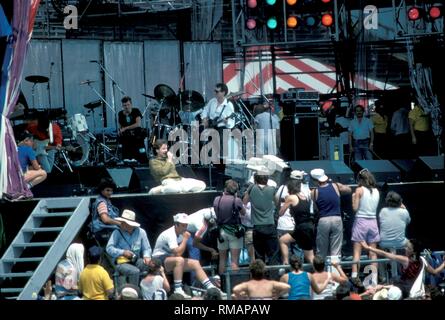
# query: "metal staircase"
[[40, 244]]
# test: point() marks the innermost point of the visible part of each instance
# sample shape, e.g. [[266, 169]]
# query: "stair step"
[[46, 229], [14, 260], [33, 244], [16, 275], [52, 214], [11, 290]]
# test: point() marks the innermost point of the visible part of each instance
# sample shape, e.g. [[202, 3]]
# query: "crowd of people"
[[248, 223]]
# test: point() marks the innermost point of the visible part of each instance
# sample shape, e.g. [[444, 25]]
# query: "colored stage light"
[[292, 22], [252, 4], [272, 23], [251, 23], [291, 2], [414, 13], [271, 2], [327, 20], [435, 12], [325, 1], [310, 21]]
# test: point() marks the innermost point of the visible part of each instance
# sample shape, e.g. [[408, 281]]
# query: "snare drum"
[[78, 124]]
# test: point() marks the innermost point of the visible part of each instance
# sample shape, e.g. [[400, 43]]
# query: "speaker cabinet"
[[429, 168], [300, 137], [383, 170], [142, 180], [338, 171]]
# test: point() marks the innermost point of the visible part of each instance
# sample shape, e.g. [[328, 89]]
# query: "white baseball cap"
[[181, 218], [319, 175]]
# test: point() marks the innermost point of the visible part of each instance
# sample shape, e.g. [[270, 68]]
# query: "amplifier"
[[298, 106], [308, 95]]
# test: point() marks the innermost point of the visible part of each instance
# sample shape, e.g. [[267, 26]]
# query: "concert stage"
[[155, 212]]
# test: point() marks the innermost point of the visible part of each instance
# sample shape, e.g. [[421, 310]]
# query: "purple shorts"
[[365, 230]]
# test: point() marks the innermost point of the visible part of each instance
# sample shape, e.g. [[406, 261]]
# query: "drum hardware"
[[36, 79], [107, 151]]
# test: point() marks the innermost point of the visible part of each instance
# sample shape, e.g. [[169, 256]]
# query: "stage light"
[[325, 1], [292, 22], [310, 21], [291, 2], [414, 14], [271, 2], [252, 4], [435, 12], [272, 23], [251, 23], [327, 20]]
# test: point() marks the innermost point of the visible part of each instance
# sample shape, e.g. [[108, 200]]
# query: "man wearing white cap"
[[129, 247], [169, 248], [330, 225]]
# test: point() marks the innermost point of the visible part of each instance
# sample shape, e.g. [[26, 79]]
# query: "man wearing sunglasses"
[[219, 114]]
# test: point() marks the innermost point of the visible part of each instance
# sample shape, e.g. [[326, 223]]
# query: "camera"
[[134, 258]]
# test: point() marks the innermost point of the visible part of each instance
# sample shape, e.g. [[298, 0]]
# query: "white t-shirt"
[[285, 222], [149, 288], [166, 242]]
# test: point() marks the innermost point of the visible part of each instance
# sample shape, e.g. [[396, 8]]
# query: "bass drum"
[[79, 150]]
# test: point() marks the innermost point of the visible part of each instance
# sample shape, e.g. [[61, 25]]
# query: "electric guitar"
[[213, 123]]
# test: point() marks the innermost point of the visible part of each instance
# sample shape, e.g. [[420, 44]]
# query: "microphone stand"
[[48, 86], [113, 85], [105, 147]]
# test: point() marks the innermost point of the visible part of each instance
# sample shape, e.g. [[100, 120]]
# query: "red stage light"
[[252, 4], [414, 13], [251, 24], [435, 12], [325, 1], [327, 20], [292, 22]]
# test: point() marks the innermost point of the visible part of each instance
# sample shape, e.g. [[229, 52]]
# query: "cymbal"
[[93, 104], [191, 100], [163, 91], [235, 94], [37, 79]]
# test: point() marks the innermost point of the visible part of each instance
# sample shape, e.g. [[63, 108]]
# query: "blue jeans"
[[131, 272], [361, 150], [47, 161]]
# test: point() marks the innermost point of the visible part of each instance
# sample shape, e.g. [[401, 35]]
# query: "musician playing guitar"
[[219, 110], [131, 133], [47, 140]]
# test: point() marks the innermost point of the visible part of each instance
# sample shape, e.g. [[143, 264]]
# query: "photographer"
[[129, 247], [228, 208]]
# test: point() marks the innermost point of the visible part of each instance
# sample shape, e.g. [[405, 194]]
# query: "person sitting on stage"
[[104, 213], [48, 140], [131, 133], [259, 288], [33, 173], [163, 170], [170, 247], [129, 247]]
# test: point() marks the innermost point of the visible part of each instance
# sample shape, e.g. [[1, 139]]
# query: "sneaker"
[[182, 292]]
